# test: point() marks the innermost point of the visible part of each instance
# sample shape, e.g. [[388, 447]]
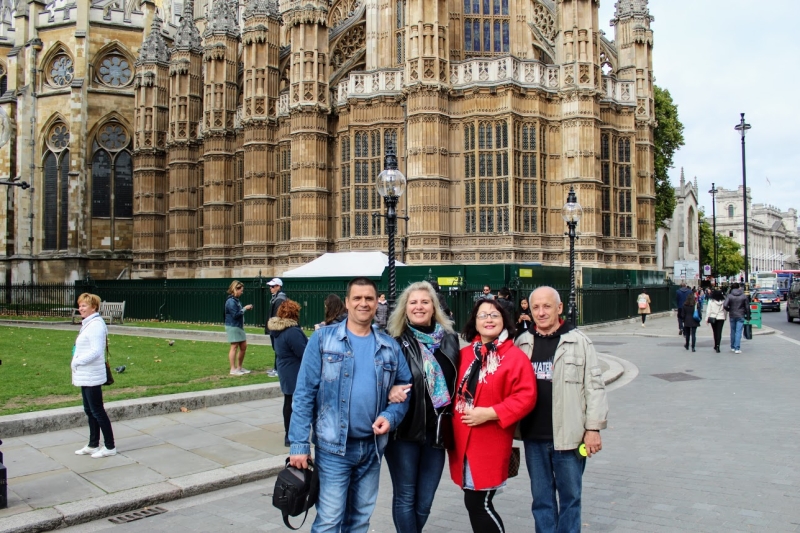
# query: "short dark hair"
[[504, 292], [734, 285], [470, 330], [361, 281]]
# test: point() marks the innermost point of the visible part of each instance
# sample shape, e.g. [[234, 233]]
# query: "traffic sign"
[[706, 270]]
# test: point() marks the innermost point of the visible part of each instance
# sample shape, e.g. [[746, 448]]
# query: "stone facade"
[[256, 130], [679, 238], [771, 233]]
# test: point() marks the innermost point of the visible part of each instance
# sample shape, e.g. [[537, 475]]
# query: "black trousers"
[[644, 317], [690, 333], [716, 329], [287, 412], [482, 516], [98, 419]]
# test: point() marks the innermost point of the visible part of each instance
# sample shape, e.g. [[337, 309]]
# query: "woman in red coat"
[[496, 389]]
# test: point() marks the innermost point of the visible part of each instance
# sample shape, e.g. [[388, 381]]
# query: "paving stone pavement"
[[712, 454]]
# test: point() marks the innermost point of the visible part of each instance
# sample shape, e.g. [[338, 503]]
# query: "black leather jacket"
[[414, 424]]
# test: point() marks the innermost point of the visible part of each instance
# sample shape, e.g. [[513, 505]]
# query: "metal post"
[[572, 313], [714, 192], [742, 128], [3, 483], [391, 228]]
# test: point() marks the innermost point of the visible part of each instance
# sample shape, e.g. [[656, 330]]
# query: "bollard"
[[3, 483]]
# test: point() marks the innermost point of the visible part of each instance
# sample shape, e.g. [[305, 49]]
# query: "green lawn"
[[35, 373]]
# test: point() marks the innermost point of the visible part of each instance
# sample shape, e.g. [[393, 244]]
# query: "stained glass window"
[[61, 70], [114, 70], [101, 184]]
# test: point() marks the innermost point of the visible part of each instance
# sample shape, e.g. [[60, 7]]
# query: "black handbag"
[[296, 491], [109, 376], [444, 439], [748, 331], [513, 463]]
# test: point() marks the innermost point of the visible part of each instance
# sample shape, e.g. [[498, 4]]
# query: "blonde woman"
[[234, 327], [431, 349], [89, 373]]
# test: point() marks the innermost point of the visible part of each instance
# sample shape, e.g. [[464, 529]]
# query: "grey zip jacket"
[[579, 392]]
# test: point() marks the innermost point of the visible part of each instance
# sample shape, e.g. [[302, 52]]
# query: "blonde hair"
[[91, 299], [398, 321], [235, 284]]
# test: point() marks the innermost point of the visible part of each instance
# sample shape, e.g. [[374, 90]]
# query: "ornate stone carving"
[[188, 36], [154, 48]]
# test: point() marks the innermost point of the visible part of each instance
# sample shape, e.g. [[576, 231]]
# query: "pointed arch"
[[113, 66], [55, 137], [111, 168], [57, 66], [347, 51]]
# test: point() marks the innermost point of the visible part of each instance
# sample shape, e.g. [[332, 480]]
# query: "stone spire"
[[222, 20], [154, 48], [696, 189], [267, 8], [683, 179], [631, 7], [188, 36]]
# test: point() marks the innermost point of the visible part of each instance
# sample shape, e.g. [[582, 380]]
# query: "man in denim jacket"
[[342, 394]]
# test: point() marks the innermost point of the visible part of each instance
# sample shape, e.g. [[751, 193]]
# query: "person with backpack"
[[643, 303], [690, 319]]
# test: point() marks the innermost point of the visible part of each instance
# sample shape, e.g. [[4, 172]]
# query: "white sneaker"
[[737, 351], [243, 370], [733, 350], [236, 372], [104, 452], [86, 450], [642, 325], [272, 373]]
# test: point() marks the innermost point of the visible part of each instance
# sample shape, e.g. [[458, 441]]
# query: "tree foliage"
[[729, 256], [668, 138]]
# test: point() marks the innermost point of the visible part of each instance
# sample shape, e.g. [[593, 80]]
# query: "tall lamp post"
[[571, 213], [742, 128], [391, 184], [713, 193]]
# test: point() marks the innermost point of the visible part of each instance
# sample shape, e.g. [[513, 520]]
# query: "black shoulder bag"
[[296, 491]]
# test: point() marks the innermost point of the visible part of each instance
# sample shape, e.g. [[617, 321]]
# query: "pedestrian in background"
[[736, 305], [431, 349], [335, 311], [690, 323], [278, 297], [382, 314], [289, 345], [89, 373], [234, 328], [504, 299], [680, 299], [643, 303], [496, 388], [486, 294], [524, 320], [716, 316]]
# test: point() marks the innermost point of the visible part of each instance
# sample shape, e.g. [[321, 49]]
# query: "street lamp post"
[[742, 128], [391, 184], [713, 193], [571, 213], [21, 184]]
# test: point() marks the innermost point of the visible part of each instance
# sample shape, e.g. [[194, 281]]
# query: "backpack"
[[642, 302], [296, 491]]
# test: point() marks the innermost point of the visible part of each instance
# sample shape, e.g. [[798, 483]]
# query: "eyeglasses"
[[484, 316]]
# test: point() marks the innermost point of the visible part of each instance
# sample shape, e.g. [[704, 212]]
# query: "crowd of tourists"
[[713, 307]]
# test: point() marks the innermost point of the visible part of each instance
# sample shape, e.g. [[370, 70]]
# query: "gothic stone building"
[[227, 139]]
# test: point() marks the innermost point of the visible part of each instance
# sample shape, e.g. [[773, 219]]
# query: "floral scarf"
[[434, 378], [485, 364]]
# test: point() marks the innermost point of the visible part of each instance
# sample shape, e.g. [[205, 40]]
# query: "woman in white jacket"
[[716, 316], [89, 373]]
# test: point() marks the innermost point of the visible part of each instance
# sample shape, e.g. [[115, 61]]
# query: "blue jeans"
[[554, 471], [737, 324], [348, 487], [416, 470]]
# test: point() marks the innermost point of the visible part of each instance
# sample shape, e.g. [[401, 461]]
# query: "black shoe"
[[286, 442], [680, 332], [686, 346], [716, 349], [693, 349]]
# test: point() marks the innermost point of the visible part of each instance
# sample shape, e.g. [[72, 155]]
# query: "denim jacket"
[[234, 312], [322, 399]]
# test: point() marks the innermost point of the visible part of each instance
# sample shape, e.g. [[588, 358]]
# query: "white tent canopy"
[[343, 264]]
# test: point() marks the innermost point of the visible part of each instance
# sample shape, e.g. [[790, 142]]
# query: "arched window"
[[690, 229], [664, 250], [112, 173], [731, 211], [486, 27], [56, 188], [60, 71], [114, 70]]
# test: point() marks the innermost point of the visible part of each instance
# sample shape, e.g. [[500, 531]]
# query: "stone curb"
[[630, 320], [82, 511], [765, 330], [614, 371], [72, 417]]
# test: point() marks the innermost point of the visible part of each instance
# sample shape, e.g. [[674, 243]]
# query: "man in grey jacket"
[[570, 411], [736, 305]]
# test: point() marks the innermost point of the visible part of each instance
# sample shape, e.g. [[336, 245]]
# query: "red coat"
[[511, 390]]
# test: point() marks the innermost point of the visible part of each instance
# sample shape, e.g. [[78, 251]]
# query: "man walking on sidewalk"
[[342, 389], [736, 305], [680, 299]]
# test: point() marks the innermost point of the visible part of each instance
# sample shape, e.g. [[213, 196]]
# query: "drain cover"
[[676, 376], [137, 515]]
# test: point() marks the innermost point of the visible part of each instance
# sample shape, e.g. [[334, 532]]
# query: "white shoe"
[[243, 370], [272, 373], [236, 372], [733, 350], [642, 324], [104, 452], [86, 450], [737, 351]]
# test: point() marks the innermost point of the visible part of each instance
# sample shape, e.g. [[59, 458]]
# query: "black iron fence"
[[181, 301]]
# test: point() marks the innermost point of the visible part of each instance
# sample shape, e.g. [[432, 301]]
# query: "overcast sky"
[[720, 58]]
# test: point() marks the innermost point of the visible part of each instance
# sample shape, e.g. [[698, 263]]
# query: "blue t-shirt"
[[364, 393]]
